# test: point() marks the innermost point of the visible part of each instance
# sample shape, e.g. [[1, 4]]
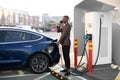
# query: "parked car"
[[21, 48]]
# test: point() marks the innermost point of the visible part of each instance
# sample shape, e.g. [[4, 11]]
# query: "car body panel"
[[17, 54]]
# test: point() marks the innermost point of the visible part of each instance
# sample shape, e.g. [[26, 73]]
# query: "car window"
[[2, 36], [33, 37], [25, 36], [13, 36], [28, 36]]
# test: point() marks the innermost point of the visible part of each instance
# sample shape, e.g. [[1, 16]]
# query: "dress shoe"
[[67, 74]]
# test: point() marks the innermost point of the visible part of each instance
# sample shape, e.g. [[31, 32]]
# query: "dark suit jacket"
[[65, 35]]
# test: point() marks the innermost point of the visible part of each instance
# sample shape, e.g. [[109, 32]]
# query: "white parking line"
[[20, 72], [3, 72], [16, 75], [41, 77], [81, 77], [118, 76]]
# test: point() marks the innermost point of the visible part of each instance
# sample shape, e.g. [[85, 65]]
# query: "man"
[[65, 42]]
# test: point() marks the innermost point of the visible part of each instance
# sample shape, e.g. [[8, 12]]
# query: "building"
[[21, 17], [17, 17]]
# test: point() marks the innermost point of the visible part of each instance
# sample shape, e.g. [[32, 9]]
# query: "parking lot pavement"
[[26, 75], [70, 77]]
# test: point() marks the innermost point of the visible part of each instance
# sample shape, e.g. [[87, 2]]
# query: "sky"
[[37, 7]]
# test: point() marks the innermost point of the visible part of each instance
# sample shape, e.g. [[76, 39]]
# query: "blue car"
[[21, 48]]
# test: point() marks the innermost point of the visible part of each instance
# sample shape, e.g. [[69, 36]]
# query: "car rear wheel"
[[38, 63]]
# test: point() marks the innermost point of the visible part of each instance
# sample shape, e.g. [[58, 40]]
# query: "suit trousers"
[[66, 56]]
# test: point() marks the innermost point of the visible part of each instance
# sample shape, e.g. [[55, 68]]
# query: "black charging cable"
[[78, 73]]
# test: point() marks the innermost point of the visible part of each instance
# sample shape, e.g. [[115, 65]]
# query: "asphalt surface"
[[26, 75], [99, 74]]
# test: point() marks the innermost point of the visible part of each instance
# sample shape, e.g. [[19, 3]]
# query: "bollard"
[[75, 52], [90, 56]]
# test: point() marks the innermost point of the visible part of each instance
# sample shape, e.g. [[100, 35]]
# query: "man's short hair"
[[67, 17]]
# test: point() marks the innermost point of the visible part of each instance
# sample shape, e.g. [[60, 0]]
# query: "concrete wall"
[[79, 28], [116, 43]]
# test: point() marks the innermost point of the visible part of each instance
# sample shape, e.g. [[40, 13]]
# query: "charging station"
[[89, 17], [92, 34], [93, 22]]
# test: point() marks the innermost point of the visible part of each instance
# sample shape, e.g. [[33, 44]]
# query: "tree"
[[52, 24]]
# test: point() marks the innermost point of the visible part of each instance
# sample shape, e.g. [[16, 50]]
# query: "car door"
[[2, 37], [13, 48]]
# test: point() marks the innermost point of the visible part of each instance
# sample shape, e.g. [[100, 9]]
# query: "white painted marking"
[[3, 72], [81, 77], [118, 76], [20, 72], [16, 75], [40, 77]]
